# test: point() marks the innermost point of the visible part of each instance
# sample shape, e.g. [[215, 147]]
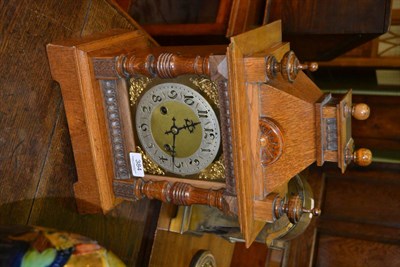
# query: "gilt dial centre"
[[179, 128]]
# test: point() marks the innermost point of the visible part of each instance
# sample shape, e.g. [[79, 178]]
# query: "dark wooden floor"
[[37, 168]]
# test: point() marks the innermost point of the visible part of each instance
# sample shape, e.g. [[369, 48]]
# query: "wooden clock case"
[[92, 73]]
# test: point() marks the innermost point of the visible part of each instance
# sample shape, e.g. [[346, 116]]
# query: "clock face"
[[178, 128]]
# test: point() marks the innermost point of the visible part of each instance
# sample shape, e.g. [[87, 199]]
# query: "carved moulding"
[[121, 166]]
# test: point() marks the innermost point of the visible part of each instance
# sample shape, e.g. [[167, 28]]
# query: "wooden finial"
[[362, 157], [313, 66], [289, 66], [315, 211], [360, 111], [293, 208]]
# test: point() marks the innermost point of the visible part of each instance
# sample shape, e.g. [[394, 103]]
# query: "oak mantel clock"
[[228, 131]]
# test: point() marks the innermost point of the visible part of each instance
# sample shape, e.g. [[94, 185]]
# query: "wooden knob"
[[315, 211], [362, 157], [360, 111], [313, 66], [290, 66]]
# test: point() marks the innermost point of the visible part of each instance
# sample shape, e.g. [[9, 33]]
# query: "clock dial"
[[178, 128]]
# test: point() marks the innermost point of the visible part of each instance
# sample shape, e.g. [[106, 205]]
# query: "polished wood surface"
[[37, 169], [243, 115], [185, 247], [322, 30], [182, 247], [254, 256], [178, 193], [245, 15], [381, 131], [318, 30], [165, 65], [297, 121], [193, 24]]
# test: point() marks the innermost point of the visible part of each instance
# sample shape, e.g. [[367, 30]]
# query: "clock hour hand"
[[190, 125]]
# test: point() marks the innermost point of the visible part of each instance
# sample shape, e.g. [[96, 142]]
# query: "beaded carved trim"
[[109, 88], [226, 136]]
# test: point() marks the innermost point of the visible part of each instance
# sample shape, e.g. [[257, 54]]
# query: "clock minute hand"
[[173, 152], [174, 131]]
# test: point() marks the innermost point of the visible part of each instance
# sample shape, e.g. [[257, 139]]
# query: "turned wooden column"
[[165, 65], [175, 193]]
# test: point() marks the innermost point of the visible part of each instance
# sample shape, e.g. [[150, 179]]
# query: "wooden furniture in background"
[[317, 30], [232, 17], [352, 231], [153, 11], [323, 30], [370, 55]]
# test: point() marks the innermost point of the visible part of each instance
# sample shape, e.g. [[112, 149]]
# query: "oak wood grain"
[[242, 117], [297, 123]]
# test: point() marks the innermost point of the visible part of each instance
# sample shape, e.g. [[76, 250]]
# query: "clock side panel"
[[296, 120], [66, 73], [244, 110], [241, 146]]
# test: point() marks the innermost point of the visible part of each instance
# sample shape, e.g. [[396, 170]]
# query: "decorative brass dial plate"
[[271, 141], [177, 126]]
